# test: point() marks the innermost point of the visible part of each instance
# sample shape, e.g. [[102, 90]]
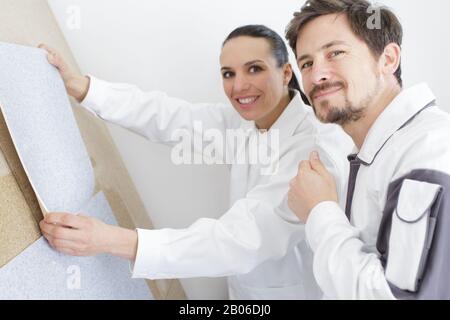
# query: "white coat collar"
[[402, 109], [288, 121]]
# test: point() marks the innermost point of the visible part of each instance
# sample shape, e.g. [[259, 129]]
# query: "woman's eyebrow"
[[245, 64], [252, 62]]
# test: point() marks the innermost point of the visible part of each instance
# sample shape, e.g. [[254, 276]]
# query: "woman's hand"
[[76, 84], [81, 235]]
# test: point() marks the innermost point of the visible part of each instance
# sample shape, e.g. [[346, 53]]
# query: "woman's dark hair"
[[279, 48]]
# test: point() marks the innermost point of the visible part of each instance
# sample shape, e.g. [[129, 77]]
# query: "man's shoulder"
[[435, 117], [424, 144], [432, 126]]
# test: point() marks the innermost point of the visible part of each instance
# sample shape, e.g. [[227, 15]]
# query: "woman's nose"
[[241, 84]]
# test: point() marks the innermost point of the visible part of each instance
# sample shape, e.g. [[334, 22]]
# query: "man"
[[391, 241]]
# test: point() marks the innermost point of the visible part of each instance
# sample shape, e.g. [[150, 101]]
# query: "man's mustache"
[[323, 87]]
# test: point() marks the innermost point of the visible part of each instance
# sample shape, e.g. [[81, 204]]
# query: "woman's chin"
[[249, 116]]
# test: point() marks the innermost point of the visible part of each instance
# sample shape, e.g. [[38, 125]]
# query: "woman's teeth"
[[247, 100]]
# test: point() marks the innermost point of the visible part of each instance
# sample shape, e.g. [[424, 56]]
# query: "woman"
[[253, 243]]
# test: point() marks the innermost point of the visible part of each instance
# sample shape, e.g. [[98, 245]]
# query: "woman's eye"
[[255, 69], [227, 75], [306, 65]]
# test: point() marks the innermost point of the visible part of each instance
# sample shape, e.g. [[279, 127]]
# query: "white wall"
[[174, 46]]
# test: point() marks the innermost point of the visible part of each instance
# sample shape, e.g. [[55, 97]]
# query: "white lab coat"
[[258, 243], [404, 140]]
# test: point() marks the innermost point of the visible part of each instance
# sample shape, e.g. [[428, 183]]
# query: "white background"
[[174, 46]]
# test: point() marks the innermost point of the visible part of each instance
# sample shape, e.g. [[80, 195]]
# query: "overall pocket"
[[412, 230]]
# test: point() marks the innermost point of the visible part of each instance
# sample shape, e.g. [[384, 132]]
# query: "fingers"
[[68, 251], [65, 219], [61, 243], [50, 51], [292, 183], [53, 232], [47, 48], [317, 165], [304, 165], [62, 233], [52, 56]]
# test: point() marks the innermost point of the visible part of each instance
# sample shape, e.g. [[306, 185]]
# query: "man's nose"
[[320, 72]]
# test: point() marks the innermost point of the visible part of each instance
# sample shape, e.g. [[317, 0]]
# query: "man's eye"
[[336, 53], [227, 74], [306, 65]]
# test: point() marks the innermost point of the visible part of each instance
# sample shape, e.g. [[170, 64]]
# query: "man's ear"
[[391, 57]]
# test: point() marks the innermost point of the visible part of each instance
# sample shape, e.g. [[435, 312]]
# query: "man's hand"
[[76, 84], [312, 185], [80, 235]]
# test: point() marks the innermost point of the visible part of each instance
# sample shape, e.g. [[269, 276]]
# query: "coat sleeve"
[[342, 267], [412, 238], [153, 114], [256, 228]]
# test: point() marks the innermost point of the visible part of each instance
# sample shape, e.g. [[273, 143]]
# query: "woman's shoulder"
[[328, 139], [311, 126]]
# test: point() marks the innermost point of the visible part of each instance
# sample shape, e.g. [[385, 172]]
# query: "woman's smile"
[[247, 102]]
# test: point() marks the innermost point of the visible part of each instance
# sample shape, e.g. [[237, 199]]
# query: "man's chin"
[[329, 115], [322, 112], [324, 120]]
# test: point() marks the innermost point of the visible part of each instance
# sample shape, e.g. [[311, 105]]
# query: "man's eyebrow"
[[246, 64], [326, 46], [333, 43], [303, 57]]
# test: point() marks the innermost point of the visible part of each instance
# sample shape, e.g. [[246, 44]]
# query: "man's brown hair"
[[358, 13]]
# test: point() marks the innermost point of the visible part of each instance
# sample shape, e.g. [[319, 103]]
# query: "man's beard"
[[341, 115], [347, 113]]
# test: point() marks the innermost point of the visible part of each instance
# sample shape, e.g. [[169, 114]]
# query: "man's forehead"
[[323, 30]]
